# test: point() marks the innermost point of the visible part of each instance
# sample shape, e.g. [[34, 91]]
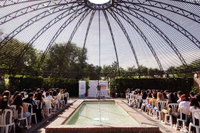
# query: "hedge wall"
[[25, 83], [172, 84]]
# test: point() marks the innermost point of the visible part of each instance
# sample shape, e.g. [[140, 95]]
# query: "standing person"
[[19, 103]]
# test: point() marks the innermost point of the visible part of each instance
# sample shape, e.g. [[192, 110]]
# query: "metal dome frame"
[[115, 8]]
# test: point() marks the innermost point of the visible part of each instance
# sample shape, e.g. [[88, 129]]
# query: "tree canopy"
[[67, 60]]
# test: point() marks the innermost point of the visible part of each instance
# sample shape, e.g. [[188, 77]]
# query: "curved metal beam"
[[166, 20], [193, 2], [35, 19], [155, 28], [29, 9], [44, 29], [86, 35], [65, 24], [76, 28], [113, 39], [167, 7], [146, 41], [126, 35], [15, 2]]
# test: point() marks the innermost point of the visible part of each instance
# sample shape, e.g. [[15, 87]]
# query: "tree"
[[9, 57], [65, 58], [1, 34], [195, 65]]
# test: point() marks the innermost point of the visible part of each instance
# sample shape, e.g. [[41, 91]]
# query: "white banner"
[[82, 88], [92, 92], [104, 88]]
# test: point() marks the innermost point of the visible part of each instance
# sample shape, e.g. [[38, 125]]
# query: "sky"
[[126, 59], [99, 1]]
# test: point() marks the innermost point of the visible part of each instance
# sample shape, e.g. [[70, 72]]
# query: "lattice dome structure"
[[153, 33]]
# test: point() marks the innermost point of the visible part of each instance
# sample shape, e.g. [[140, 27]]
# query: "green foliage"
[[10, 53], [63, 58], [172, 84], [195, 90], [57, 82], [113, 85]]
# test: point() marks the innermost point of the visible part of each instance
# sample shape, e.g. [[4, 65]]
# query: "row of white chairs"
[[6, 117], [134, 100]]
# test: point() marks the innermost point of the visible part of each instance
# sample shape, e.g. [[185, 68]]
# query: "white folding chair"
[[62, 101], [146, 102], [127, 95], [151, 106], [138, 101], [160, 105], [28, 105], [6, 123], [193, 123], [183, 110], [48, 107], [39, 106], [38, 103], [174, 108], [68, 98], [20, 116], [59, 100], [130, 99]]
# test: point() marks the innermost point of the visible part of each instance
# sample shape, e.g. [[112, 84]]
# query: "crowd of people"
[[150, 101], [44, 103]]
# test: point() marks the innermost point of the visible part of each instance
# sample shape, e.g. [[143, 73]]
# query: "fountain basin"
[[77, 119]]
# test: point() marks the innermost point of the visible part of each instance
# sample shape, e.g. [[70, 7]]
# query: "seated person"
[[19, 103], [185, 102], [30, 100], [194, 106]]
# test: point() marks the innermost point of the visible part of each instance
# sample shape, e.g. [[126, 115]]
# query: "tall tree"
[[65, 58]]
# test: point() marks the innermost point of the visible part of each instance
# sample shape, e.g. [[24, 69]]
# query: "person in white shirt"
[[49, 97], [185, 102], [194, 106]]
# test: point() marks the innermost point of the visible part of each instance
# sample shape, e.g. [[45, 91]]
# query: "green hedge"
[[25, 83], [172, 84]]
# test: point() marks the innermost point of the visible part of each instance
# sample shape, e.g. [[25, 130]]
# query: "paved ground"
[[40, 127]]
